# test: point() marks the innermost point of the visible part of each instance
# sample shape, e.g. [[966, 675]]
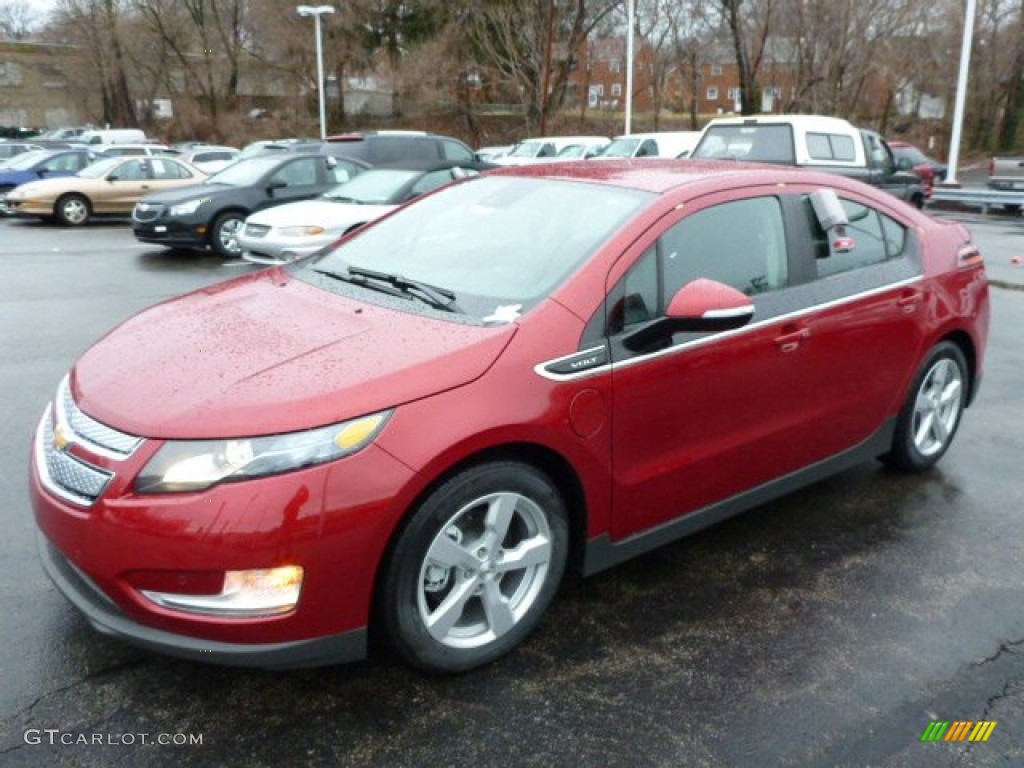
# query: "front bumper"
[[99, 536], [107, 618], [272, 249], [171, 232]]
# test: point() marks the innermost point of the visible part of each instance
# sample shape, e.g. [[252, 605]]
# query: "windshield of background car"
[[244, 173], [25, 160], [100, 168], [500, 243], [526, 149], [620, 148], [372, 187]]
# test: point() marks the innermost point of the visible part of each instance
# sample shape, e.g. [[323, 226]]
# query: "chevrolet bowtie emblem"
[[61, 438]]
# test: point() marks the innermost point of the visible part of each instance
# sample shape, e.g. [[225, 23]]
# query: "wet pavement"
[[826, 629]]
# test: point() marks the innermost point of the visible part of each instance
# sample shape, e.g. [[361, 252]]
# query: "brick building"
[[34, 85]]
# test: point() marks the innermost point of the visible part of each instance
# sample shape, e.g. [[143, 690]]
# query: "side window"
[[647, 149], [168, 169], [299, 173], [830, 146], [640, 301], [742, 244], [876, 238], [453, 150], [393, 149], [430, 181], [130, 171]]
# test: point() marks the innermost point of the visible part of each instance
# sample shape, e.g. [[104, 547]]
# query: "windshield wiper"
[[441, 298], [396, 285]]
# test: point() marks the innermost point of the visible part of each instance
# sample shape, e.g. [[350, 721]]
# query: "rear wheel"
[[931, 413], [73, 210], [224, 234], [475, 567]]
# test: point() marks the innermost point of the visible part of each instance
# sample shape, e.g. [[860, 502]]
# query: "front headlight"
[[193, 465], [301, 231], [186, 209]]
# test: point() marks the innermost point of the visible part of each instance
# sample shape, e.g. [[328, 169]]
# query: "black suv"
[[396, 148]]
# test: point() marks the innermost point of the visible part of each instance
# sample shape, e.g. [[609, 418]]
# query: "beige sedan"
[[109, 187]]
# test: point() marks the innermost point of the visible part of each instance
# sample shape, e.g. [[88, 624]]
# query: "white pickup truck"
[[815, 142]]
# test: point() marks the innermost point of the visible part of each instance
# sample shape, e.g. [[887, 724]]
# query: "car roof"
[[802, 122], [650, 175]]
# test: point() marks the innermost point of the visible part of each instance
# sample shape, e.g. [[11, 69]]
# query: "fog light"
[[245, 594]]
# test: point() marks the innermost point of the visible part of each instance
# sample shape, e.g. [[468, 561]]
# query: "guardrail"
[[975, 197]]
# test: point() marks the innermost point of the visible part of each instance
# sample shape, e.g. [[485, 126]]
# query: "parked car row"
[[558, 148]]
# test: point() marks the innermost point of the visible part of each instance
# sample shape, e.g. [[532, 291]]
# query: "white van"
[[658, 144], [113, 136], [546, 149]]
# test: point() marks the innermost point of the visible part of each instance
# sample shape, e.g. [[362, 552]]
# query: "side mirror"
[[701, 306], [275, 185], [113, 177]]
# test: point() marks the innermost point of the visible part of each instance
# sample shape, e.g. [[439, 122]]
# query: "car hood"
[[321, 212], [13, 177], [48, 186], [266, 354], [190, 192]]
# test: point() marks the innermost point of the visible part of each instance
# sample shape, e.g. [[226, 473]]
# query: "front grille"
[[65, 475], [256, 230], [99, 437], [147, 211]]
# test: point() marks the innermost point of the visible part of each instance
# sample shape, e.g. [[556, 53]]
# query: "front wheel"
[[73, 210], [474, 568], [224, 234], [931, 414]]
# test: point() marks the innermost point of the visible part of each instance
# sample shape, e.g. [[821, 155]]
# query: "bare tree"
[[534, 45], [17, 19], [93, 24]]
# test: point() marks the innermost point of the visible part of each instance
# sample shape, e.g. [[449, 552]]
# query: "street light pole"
[[316, 11], [630, 24], [961, 94]]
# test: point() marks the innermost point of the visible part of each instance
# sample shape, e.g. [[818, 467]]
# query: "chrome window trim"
[[539, 369]]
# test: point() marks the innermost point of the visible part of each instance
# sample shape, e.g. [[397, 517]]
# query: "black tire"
[[1011, 208], [73, 210], [223, 234], [931, 414], [494, 606]]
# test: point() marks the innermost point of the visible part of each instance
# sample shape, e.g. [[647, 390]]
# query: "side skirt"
[[602, 553]]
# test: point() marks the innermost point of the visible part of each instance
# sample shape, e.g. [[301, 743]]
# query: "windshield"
[[527, 149], [573, 150], [372, 187], [100, 168], [621, 148], [25, 160], [500, 243], [244, 173]]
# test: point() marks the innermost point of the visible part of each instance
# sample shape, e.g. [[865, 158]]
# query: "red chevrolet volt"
[[418, 430]]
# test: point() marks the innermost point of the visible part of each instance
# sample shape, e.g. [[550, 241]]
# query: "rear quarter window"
[[831, 146], [393, 149]]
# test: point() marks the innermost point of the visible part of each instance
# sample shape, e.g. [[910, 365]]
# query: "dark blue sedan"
[[41, 164]]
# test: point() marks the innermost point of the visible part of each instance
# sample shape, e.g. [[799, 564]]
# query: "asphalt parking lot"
[[826, 629]]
